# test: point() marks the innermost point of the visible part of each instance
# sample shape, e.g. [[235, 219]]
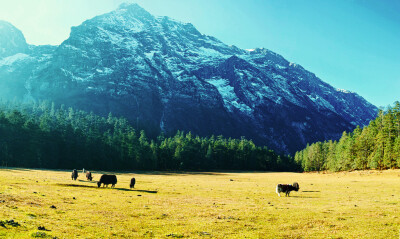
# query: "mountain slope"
[[166, 76], [12, 40]]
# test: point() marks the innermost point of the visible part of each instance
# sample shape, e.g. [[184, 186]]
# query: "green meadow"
[[48, 204]]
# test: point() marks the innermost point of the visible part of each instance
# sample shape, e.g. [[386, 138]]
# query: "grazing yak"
[[287, 188], [89, 176], [74, 175], [107, 179], [133, 181]]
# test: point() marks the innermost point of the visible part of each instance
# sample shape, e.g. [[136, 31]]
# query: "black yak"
[[133, 181], [74, 175], [287, 188], [89, 176], [107, 179]]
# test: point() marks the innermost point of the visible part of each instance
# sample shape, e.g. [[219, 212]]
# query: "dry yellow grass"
[[201, 205]]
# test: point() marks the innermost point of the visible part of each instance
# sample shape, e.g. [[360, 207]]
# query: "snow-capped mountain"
[[167, 76]]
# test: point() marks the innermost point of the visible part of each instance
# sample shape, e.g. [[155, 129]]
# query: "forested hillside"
[[41, 135], [376, 146]]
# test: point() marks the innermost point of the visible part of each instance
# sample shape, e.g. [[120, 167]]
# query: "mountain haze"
[[165, 75]]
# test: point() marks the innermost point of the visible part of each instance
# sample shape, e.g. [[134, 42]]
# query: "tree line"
[[376, 146], [41, 135]]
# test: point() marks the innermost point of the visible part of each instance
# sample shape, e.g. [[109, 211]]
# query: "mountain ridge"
[[168, 76]]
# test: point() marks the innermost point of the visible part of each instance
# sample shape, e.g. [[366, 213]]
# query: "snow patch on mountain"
[[8, 61], [229, 96], [343, 91]]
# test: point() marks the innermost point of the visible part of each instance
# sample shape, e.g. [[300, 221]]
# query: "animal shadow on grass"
[[300, 196], [74, 185], [120, 189], [143, 191], [134, 190], [130, 190], [85, 181], [303, 197]]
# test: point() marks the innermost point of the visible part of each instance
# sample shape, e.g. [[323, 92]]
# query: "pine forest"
[[44, 136], [376, 146]]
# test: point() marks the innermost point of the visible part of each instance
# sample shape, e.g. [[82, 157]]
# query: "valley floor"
[[364, 204]]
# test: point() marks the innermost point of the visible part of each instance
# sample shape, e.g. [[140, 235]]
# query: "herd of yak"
[[105, 179]]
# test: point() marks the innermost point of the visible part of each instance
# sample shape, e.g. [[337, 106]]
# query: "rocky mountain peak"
[[12, 41], [133, 10], [131, 7]]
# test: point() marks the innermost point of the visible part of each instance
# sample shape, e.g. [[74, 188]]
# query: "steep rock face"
[[166, 76], [12, 41]]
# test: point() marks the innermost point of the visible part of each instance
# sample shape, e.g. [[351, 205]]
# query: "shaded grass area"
[[46, 203], [89, 186], [75, 185]]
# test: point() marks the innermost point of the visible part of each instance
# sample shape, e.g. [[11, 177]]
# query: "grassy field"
[[200, 205]]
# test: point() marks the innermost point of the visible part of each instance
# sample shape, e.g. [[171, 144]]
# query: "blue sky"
[[350, 44]]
